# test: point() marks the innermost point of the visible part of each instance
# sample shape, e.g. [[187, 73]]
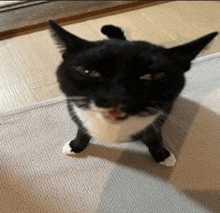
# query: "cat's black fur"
[[120, 64]]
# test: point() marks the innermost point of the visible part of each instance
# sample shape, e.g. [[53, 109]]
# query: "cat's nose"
[[122, 101], [117, 91], [116, 96], [110, 103]]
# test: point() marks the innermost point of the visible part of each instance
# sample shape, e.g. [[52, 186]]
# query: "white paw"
[[67, 149], [170, 161]]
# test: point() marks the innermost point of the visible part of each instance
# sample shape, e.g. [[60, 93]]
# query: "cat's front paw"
[[163, 156], [169, 161], [70, 149], [67, 150]]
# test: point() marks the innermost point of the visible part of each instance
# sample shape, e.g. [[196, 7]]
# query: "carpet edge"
[[63, 99], [33, 106]]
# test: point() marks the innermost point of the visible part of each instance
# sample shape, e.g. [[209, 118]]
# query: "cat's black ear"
[[68, 42], [187, 52]]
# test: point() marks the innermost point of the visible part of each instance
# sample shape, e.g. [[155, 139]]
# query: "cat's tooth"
[[99, 116], [123, 114]]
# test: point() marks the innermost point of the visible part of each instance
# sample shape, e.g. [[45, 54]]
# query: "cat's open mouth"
[[115, 114]]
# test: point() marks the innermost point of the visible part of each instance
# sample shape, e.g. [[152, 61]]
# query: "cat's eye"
[[150, 77], [146, 77], [87, 72]]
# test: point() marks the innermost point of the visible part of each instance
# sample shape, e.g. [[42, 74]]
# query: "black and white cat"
[[119, 90]]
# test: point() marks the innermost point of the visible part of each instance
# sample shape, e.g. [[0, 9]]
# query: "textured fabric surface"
[[115, 177]]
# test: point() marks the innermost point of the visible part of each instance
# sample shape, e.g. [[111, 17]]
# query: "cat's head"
[[128, 77]]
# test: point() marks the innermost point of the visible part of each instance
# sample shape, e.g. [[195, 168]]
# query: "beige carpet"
[[115, 178]]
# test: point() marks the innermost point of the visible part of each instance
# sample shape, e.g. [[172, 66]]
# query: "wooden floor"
[[28, 63], [3, 3]]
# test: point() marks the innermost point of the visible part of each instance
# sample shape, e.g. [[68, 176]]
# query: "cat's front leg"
[[78, 144], [153, 139]]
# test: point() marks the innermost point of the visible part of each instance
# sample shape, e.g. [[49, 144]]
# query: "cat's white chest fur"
[[111, 131]]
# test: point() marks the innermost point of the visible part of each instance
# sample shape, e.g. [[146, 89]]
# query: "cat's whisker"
[[76, 98], [82, 105], [103, 111]]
